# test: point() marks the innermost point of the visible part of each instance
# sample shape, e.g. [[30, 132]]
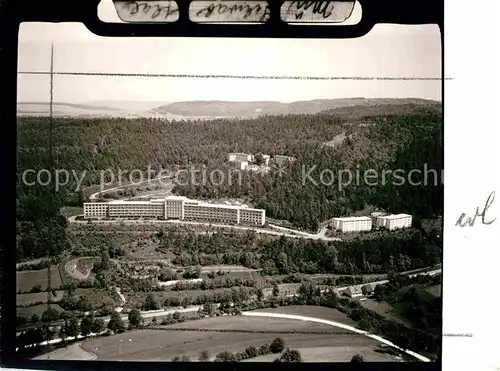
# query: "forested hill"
[[254, 109], [379, 141]]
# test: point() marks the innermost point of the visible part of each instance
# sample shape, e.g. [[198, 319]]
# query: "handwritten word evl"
[[465, 220]]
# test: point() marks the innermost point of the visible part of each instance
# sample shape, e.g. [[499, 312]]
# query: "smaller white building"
[[282, 160], [354, 292], [353, 224], [394, 221], [240, 157], [266, 159]]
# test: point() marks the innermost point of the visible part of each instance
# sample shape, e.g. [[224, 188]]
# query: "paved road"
[[144, 314], [336, 324], [339, 290], [94, 196], [148, 314], [315, 236]]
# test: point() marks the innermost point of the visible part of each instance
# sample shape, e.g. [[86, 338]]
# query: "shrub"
[[134, 317], [36, 288], [151, 302], [290, 355], [116, 323], [357, 358], [251, 352], [204, 356], [264, 349], [277, 345], [225, 357]]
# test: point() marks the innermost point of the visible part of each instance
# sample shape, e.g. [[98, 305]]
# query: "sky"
[[387, 51]]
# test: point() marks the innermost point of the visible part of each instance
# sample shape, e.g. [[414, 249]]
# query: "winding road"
[[336, 324], [95, 195]]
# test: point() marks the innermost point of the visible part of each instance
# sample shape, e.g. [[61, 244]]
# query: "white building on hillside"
[[353, 224], [266, 159], [240, 157], [281, 160], [174, 207], [354, 292], [392, 222]]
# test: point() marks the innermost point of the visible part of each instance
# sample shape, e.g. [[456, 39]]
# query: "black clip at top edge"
[[374, 11]]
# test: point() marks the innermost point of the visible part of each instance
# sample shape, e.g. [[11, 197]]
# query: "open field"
[[329, 314], [28, 299], [152, 345], [29, 262], [72, 352], [384, 309], [332, 354], [256, 324], [26, 280], [27, 312], [434, 290]]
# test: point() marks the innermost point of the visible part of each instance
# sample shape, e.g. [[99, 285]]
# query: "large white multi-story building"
[[174, 207], [353, 224], [392, 222]]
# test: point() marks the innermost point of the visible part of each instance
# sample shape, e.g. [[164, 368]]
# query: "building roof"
[[368, 287], [124, 202], [176, 198], [353, 218], [354, 290], [396, 216], [232, 207]]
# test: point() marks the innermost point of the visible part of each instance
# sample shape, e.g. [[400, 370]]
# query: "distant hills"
[[209, 109], [253, 109]]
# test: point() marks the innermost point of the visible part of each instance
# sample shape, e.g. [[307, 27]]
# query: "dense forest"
[[407, 250], [406, 137], [305, 193]]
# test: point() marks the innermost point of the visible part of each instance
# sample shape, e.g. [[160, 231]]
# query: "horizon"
[[225, 101]]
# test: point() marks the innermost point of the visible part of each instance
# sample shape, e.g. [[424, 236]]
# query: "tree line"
[[406, 250]]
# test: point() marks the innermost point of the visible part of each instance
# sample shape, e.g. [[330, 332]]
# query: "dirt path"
[[336, 324], [122, 298], [95, 195]]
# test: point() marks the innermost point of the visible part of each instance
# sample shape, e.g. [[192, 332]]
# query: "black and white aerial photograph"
[[229, 200]]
